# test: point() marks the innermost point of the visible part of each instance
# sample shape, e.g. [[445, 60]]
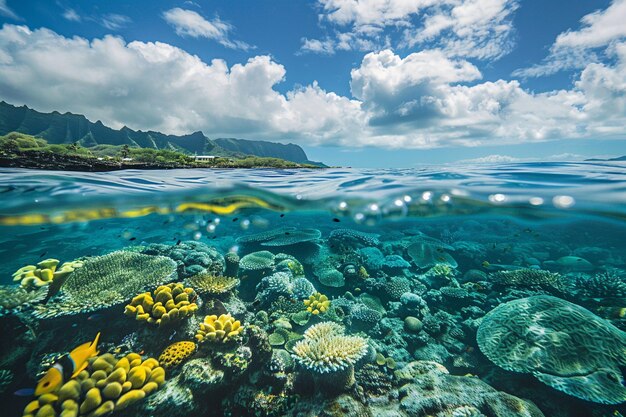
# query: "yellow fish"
[[68, 367]]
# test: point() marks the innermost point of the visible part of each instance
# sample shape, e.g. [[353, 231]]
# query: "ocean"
[[494, 290]]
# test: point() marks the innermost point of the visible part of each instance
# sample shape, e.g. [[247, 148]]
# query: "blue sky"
[[355, 82]]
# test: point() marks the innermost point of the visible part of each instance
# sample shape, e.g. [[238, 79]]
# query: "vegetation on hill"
[[18, 149]]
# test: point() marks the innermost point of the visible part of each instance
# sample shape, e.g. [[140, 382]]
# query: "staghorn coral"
[[108, 384], [108, 280], [326, 349], [44, 273], [561, 344], [205, 283], [171, 303], [220, 329], [176, 353], [317, 303], [529, 278], [605, 285]]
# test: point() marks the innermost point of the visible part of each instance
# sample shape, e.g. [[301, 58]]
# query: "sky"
[[364, 83]]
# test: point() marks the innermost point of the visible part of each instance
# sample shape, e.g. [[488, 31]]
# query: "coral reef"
[[220, 329], [530, 278], [191, 257], [170, 303], [108, 384], [205, 283], [317, 303], [256, 262], [108, 280], [44, 273], [176, 353], [561, 344]]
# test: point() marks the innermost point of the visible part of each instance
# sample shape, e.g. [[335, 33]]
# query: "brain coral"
[[176, 353], [206, 283], [561, 344], [325, 348], [108, 280]]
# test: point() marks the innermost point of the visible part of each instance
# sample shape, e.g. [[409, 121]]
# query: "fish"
[[95, 316], [24, 392], [67, 367]]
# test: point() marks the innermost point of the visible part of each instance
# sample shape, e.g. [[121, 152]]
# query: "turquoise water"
[[493, 290]]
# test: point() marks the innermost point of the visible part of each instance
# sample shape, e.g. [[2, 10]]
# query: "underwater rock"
[[433, 391], [108, 280], [201, 376], [562, 344]]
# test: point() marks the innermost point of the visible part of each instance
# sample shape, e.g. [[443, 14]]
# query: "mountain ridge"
[[66, 128]]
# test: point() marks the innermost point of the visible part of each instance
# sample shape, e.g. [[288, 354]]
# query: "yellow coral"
[[108, 384], [34, 276], [219, 329], [176, 353], [317, 303], [206, 283], [169, 303]]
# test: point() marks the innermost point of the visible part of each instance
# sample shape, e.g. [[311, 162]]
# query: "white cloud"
[[491, 159], [71, 15], [113, 21], [190, 23], [6, 11], [325, 47], [421, 100], [574, 49], [480, 29]]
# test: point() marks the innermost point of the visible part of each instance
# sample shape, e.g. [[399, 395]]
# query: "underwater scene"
[[470, 291]]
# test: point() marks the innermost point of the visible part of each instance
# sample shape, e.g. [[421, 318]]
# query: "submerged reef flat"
[[452, 319]]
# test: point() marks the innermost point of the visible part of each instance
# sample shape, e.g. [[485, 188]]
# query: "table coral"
[[170, 303], [206, 283], [108, 280], [108, 384], [220, 329]]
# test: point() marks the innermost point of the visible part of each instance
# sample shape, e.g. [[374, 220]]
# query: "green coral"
[[108, 280], [562, 344]]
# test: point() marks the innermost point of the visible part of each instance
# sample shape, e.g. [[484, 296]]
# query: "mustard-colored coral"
[[107, 384], [206, 283], [219, 329], [317, 303], [176, 353], [170, 303], [34, 276]]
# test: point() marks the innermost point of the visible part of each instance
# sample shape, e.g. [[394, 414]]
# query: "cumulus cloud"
[[6, 11], [190, 23], [491, 159], [480, 29], [425, 99], [600, 31]]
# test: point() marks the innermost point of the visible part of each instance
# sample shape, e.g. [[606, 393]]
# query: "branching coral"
[[317, 303], [206, 283], [604, 285], [220, 329], [108, 280], [14, 298], [108, 384], [325, 348], [170, 303]]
